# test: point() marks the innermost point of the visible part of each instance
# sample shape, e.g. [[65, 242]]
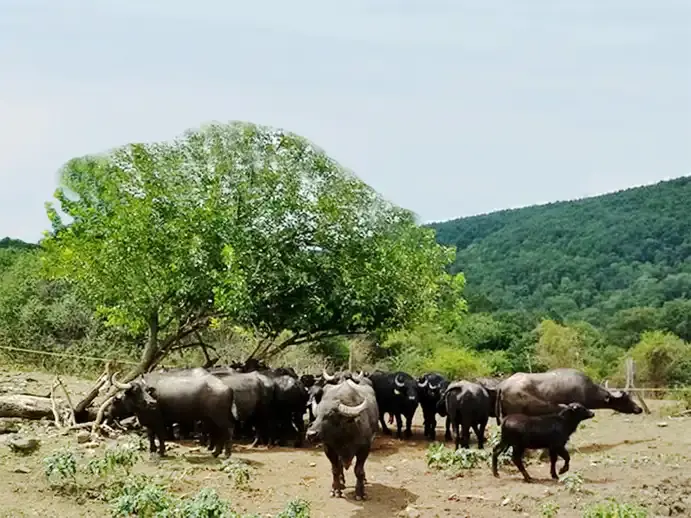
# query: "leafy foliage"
[[580, 260], [245, 223]]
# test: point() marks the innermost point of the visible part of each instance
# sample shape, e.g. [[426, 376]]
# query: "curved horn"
[[326, 376], [423, 384], [433, 387], [358, 376], [116, 383], [399, 384], [352, 411]]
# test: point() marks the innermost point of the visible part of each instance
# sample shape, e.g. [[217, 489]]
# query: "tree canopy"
[[244, 223]]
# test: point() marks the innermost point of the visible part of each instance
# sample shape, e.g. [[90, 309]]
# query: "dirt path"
[[630, 458]]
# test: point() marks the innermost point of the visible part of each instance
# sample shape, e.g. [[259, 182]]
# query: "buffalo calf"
[[550, 431]]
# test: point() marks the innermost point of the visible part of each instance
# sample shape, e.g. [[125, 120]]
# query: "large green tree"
[[245, 223]]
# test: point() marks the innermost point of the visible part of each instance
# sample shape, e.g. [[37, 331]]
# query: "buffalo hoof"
[[448, 437], [496, 474], [408, 434], [528, 480], [337, 493], [386, 431], [563, 470], [360, 497]]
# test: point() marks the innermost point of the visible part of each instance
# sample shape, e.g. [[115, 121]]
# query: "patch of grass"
[[613, 509], [109, 478], [60, 468], [297, 508], [549, 509], [240, 473], [573, 482], [118, 458]]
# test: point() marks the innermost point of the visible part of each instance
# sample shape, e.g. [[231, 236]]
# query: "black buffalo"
[[160, 399], [551, 431], [430, 388], [544, 392], [253, 402], [346, 423], [467, 405], [396, 395]]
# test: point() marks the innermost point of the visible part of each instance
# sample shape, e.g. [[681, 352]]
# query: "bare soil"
[[642, 459]]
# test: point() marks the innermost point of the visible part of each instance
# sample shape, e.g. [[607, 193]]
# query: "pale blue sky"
[[449, 108]]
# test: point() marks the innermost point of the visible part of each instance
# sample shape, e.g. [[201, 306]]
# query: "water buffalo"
[[551, 431], [468, 405], [289, 405], [396, 394], [346, 423], [542, 393], [430, 388], [253, 401], [159, 399], [317, 388]]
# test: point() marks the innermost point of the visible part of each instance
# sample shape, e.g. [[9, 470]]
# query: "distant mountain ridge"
[[586, 258]]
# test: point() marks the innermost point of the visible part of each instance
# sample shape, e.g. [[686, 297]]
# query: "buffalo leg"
[[408, 426], [338, 485], [447, 435], [496, 451], [299, 421], [465, 434], [517, 457], [567, 459], [457, 433], [359, 470], [553, 463], [399, 426], [152, 439], [385, 429], [480, 433]]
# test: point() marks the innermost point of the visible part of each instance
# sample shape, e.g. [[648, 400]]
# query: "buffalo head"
[[622, 402]]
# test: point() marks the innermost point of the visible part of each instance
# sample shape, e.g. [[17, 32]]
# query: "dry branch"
[[68, 398], [89, 398], [54, 406]]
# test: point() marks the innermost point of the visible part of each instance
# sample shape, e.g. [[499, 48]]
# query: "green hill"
[[579, 260]]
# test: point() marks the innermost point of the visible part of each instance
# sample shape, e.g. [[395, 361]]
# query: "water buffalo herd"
[[345, 410]]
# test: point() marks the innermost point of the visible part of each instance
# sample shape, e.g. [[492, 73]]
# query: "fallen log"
[[26, 407]]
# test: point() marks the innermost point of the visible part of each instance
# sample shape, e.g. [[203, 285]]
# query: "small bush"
[[60, 468], [614, 509], [297, 508], [573, 482], [205, 504], [142, 497], [239, 472], [118, 458], [549, 509], [440, 457]]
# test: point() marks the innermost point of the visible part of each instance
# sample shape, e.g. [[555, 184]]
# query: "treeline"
[[593, 259]]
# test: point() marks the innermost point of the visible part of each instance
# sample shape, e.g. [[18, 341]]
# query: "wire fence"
[[66, 355]]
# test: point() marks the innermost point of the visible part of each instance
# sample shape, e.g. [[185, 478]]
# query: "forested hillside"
[[593, 259]]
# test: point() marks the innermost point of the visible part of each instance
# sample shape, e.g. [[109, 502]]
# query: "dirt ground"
[[643, 459]]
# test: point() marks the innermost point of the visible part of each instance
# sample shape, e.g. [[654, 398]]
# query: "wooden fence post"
[[630, 373]]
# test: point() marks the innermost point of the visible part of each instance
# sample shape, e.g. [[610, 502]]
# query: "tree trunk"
[[25, 407], [150, 351]]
